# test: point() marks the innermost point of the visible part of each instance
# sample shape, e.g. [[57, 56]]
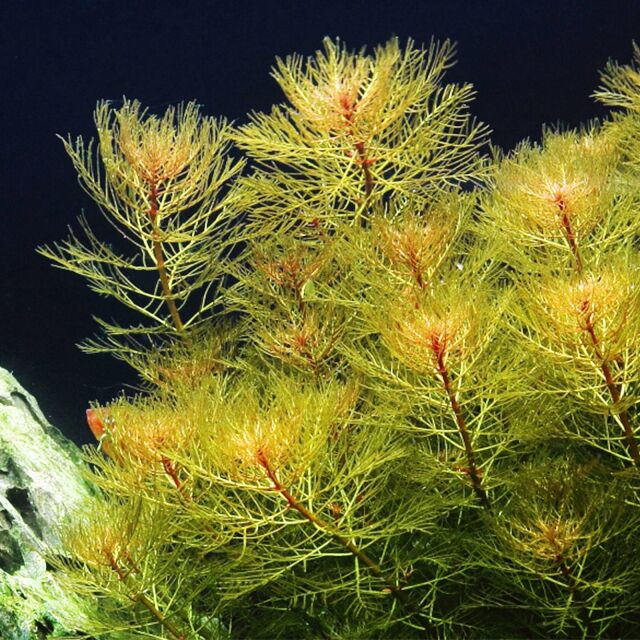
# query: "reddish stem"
[[414, 265], [614, 390], [438, 349], [568, 231], [170, 470], [365, 163], [325, 526], [144, 601], [348, 112], [159, 257], [566, 571]]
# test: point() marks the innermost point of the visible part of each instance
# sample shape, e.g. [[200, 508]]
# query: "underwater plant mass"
[[391, 374]]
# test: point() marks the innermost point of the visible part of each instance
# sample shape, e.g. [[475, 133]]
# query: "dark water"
[[531, 62]]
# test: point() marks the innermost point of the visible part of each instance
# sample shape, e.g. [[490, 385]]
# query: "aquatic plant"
[[162, 183], [393, 382]]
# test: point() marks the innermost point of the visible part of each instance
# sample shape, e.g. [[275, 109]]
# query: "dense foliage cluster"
[[390, 380]]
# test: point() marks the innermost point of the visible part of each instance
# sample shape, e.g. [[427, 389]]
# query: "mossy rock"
[[40, 483]]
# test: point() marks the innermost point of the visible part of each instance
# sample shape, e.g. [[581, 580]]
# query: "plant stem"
[[462, 426], [375, 569], [302, 307], [568, 231], [365, 162], [615, 391], [348, 113], [571, 238], [160, 263], [572, 585], [614, 388], [144, 601], [170, 470]]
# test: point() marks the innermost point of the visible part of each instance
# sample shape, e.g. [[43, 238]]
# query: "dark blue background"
[[531, 63]]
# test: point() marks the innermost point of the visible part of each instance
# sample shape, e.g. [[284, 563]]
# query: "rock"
[[40, 482]]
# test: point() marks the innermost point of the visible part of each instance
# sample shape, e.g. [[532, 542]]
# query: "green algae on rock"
[[40, 482]]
